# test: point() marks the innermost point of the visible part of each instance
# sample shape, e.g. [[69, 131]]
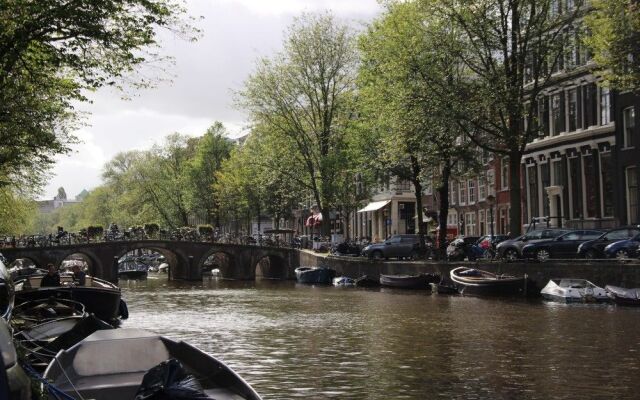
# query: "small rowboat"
[[482, 283], [131, 363], [367, 281], [623, 296], [420, 281], [344, 281]]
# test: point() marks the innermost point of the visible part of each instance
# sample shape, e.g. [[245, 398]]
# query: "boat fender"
[[123, 310]]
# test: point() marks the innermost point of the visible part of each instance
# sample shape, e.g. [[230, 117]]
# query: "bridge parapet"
[[186, 259]]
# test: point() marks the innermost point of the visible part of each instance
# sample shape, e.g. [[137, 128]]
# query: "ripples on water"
[[291, 341]]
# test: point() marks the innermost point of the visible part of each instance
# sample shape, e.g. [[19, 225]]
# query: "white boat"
[[163, 268], [344, 281], [573, 291]]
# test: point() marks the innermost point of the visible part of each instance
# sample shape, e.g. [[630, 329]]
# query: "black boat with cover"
[[99, 297], [482, 283], [133, 363], [420, 281]]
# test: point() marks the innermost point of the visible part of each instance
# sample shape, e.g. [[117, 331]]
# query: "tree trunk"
[[515, 212], [326, 223], [443, 192], [417, 186]]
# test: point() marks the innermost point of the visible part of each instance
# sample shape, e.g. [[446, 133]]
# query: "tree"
[[408, 55], [614, 38], [304, 95], [510, 49], [212, 149], [51, 51]]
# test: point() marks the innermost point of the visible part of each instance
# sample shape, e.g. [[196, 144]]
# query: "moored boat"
[[444, 287], [567, 290], [132, 270], [125, 363], [623, 296], [317, 275], [367, 281], [483, 283], [344, 281], [420, 281], [99, 297]]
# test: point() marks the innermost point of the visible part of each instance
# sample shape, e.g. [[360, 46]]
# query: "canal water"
[[291, 341]]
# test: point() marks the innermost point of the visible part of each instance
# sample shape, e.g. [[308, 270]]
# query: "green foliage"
[[614, 38], [205, 230], [95, 231], [303, 97], [151, 230], [50, 52], [15, 213]]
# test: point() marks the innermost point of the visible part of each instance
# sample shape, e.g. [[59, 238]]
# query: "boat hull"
[[103, 302], [407, 281], [132, 274], [313, 275], [573, 291], [623, 296], [132, 354], [488, 284]]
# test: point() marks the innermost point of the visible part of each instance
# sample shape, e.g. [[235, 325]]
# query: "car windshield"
[[570, 236]]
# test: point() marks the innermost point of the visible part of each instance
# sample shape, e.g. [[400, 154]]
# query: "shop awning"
[[375, 206]]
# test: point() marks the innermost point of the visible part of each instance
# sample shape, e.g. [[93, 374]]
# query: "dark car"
[[511, 250], [564, 246], [397, 246], [623, 249], [595, 248]]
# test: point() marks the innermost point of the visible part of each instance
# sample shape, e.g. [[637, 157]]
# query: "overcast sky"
[[235, 34]]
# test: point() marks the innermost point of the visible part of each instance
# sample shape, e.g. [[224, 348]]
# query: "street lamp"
[[491, 199]]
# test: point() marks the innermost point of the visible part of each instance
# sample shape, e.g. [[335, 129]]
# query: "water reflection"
[[295, 341]]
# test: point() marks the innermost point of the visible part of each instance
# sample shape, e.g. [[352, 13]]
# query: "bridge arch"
[[173, 257], [95, 267], [220, 259], [271, 266]]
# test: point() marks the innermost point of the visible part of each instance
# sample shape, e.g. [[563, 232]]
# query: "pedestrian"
[[79, 276], [52, 278]]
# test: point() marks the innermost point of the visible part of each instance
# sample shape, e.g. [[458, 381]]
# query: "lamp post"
[[491, 200]]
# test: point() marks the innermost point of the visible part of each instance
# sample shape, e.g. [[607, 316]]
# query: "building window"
[[543, 116], [575, 180], [628, 124], [557, 113], [558, 173], [472, 191], [590, 105], [454, 193], [606, 179], [632, 195], [590, 189], [482, 188], [463, 193], [532, 183], [545, 179], [470, 224], [505, 174], [491, 182], [605, 106], [572, 101]]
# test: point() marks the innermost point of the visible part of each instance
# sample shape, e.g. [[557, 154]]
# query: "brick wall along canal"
[[291, 341]]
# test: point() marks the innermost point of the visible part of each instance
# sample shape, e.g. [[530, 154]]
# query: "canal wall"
[[600, 272]]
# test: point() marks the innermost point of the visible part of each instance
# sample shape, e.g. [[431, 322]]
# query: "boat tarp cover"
[[169, 381], [470, 272]]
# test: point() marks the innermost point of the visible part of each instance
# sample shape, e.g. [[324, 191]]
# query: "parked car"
[[511, 250], [563, 246], [623, 249], [595, 248], [397, 246]]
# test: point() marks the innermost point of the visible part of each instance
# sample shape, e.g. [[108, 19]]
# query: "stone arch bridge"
[[186, 259]]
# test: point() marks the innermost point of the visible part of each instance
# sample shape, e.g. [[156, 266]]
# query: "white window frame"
[[471, 191], [504, 178], [601, 184], [601, 91], [627, 138], [626, 190]]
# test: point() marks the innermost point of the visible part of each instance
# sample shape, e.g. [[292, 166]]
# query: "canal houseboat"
[[573, 291], [482, 283]]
